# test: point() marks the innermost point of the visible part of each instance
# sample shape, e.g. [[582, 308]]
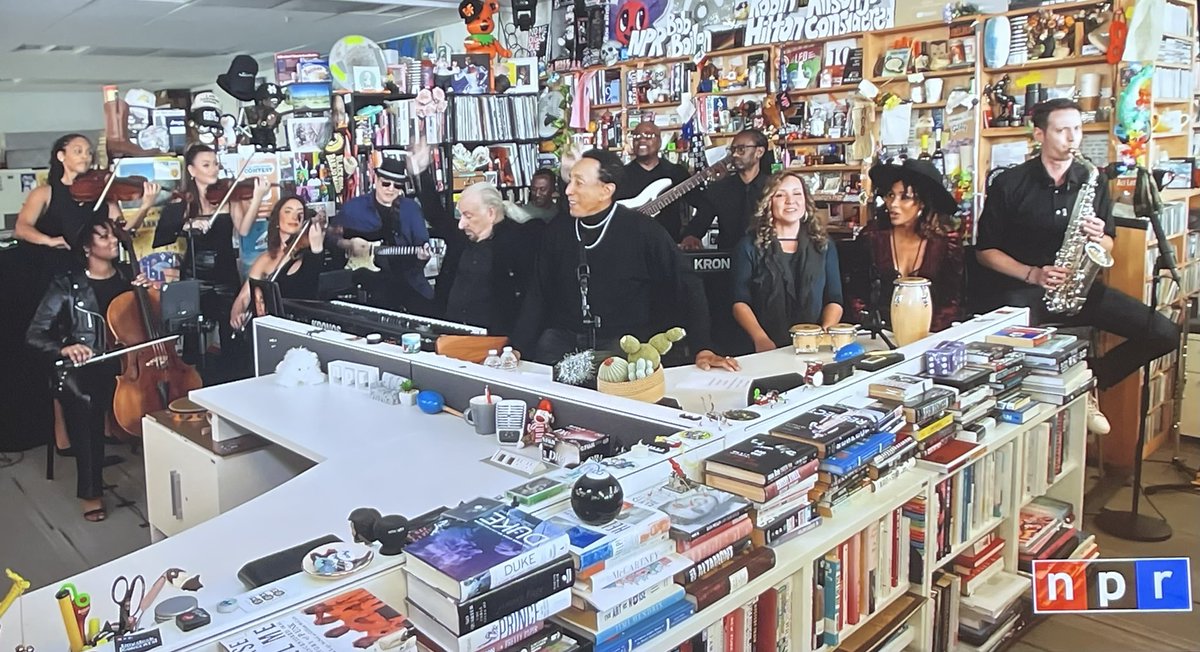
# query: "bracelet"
[[1031, 268]]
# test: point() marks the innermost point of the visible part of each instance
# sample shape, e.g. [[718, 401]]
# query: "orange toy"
[[478, 15]]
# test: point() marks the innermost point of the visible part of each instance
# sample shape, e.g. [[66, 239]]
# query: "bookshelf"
[[1135, 250]]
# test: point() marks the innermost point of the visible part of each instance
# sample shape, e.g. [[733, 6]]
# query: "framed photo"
[[367, 79], [522, 74], [895, 62], [310, 97], [307, 134], [471, 74]]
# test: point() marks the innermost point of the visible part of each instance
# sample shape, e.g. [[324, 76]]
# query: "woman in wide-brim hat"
[[910, 236]]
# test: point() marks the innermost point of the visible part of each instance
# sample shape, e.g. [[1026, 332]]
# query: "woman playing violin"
[[210, 256], [50, 216], [298, 277], [70, 323]]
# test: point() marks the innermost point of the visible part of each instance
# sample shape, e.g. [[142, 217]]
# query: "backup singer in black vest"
[[1021, 229], [70, 323], [635, 276]]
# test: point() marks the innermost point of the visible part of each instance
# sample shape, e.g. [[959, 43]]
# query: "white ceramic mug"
[[1173, 121]]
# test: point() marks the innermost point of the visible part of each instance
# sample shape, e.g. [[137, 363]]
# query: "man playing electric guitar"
[[646, 168], [385, 218]]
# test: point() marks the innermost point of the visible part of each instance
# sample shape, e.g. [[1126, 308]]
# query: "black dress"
[[301, 284], [64, 218]]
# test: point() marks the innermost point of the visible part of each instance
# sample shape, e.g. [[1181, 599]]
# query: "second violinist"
[[297, 279], [210, 256]]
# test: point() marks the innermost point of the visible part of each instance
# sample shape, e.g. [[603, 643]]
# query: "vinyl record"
[[741, 415]]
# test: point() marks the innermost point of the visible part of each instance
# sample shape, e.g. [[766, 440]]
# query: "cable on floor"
[[7, 461]]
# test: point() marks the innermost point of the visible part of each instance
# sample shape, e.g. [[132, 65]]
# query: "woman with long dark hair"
[[910, 236], [50, 218], [210, 256], [785, 271], [70, 323], [298, 279]]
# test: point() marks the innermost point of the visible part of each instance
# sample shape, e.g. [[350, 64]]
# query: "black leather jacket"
[[68, 314]]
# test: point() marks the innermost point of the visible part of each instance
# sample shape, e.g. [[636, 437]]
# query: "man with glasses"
[[387, 217], [646, 168], [733, 199], [605, 273]]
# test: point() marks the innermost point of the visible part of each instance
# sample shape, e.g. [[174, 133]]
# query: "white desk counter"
[[393, 458]]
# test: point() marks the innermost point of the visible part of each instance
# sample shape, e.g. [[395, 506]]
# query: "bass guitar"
[[656, 196]]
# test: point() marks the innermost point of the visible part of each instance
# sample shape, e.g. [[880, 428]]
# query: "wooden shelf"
[[1179, 193], [791, 142], [1182, 37], [1174, 66], [1172, 101], [917, 106], [655, 105], [1040, 64], [610, 105], [1168, 135], [844, 88], [1056, 8], [842, 167], [1001, 132], [740, 91], [928, 74], [753, 49]]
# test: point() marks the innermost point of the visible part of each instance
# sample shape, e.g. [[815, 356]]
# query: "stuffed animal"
[[299, 367], [653, 350], [479, 15]]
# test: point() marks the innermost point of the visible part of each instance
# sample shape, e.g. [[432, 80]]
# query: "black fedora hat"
[[239, 80], [922, 176]]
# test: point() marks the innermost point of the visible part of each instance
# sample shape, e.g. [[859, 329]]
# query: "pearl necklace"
[[602, 225]]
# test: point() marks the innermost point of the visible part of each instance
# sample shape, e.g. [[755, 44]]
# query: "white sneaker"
[[1096, 421]]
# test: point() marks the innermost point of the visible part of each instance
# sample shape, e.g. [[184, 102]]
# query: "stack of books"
[[776, 475], [626, 592], [487, 578], [979, 563], [1058, 371], [992, 613], [1006, 371], [944, 596], [351, 621], [845, 440], [1047, 532]]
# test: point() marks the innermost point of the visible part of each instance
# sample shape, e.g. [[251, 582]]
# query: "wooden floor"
[[44, 537]]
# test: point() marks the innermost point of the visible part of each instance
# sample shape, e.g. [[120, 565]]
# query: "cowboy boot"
[[116, 132]]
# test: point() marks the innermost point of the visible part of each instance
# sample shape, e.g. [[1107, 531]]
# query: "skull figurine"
[[610, 53]]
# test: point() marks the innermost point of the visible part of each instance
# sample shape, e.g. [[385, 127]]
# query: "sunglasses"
[[389, 184]]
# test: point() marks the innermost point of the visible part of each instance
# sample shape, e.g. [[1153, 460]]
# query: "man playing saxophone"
[[1025, 222]]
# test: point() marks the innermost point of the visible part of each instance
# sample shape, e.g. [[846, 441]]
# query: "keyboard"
[[359, 319]]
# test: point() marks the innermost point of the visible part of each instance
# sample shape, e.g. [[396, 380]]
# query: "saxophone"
[[1082, 258]]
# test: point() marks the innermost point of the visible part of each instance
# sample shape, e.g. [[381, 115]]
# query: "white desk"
[[393, 458]]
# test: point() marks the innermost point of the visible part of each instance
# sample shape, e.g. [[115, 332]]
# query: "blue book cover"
[[852, 457], [469, 557], [651, 612], [640, 635]]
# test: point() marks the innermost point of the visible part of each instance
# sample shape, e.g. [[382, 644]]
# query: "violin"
[[90, 186], [242, 191], [152, 376]]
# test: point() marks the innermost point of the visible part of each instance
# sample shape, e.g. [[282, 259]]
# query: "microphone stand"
[[872, 321], [1130, 524]]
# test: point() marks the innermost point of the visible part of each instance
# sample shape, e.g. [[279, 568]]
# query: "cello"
[[153, 376]]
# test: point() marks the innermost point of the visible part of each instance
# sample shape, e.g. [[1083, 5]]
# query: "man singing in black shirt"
[[631, 269], [646, 168], [733, 199], [1021, 229]]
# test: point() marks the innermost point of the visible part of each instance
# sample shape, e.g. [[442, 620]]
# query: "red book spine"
[[896, 539], [853, 580], [768, 602], [709, 544]]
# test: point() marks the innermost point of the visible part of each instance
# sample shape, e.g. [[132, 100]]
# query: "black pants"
[[1147, 335], [86, 397]]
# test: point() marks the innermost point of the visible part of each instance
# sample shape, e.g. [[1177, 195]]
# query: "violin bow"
[[304, 226], [232, 185], [112, 176]]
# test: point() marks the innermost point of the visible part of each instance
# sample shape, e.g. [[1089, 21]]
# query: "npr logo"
[[1112, 585]]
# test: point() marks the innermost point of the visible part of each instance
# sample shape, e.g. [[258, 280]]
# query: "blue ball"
[[851, 350], [430, 402]]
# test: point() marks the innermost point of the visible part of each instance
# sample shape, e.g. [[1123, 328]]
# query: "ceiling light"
[[436, 4]]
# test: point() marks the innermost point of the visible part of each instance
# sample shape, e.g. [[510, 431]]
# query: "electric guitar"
[[653, 199], [377, 248]]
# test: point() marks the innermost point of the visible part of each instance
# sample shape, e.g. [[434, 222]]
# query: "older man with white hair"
[[488, 278]]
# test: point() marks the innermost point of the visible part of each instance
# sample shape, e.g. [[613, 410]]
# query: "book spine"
[[500, 574], [766, 624], [731, 577], [706, 548], [640, 636], [833, 598], [785, 483], [517, 622], [615, 569], [711, 526], [498, 603], [702, 567], [613, 629]]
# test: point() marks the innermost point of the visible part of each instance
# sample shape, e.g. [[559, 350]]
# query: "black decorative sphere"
[[392, 533], [597, 497]]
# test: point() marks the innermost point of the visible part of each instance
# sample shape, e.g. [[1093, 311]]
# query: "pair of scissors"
[[128, 595]]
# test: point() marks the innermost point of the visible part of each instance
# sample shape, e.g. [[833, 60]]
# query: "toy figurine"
[[479, 17], [1002, 116], [541, 418]]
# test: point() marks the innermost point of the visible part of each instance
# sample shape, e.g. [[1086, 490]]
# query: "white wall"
[[51, 111]]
